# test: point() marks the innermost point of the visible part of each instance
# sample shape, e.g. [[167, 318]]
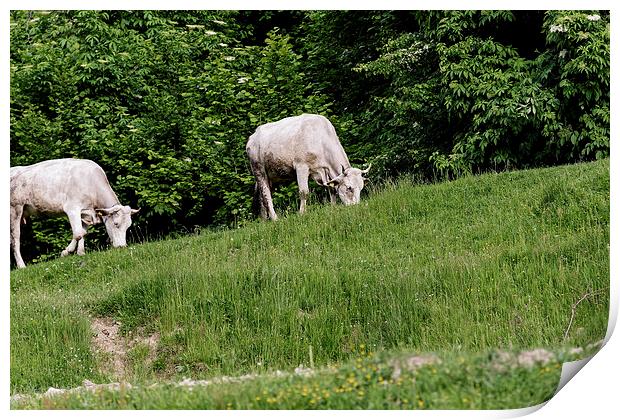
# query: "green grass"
[[486, 262], [448, 381]]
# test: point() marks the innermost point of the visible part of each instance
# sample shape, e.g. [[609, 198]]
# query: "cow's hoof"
[[64, 253]]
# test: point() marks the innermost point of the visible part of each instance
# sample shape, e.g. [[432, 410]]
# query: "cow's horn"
[[365, 171]]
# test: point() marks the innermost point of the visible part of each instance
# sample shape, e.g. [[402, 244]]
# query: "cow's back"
[[51, 185], [307, 139]]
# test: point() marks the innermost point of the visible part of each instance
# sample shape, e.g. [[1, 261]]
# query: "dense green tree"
[[466, 92]]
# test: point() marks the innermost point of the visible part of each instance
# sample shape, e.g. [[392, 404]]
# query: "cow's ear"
[[103, 212], [334, 182]]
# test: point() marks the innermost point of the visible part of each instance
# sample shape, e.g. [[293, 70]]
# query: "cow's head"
[[117, 220], [349, 184]]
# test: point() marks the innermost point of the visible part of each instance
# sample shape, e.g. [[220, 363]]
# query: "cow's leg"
[[258, 201], [80, 247], [267, 201], [262, 190], [16, 218], [324, 179], [332, 195], [80, 244], [69, 249], [75, 219], [302, 182], [264, 214]]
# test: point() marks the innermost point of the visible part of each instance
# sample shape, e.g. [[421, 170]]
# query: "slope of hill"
[[463, 268]]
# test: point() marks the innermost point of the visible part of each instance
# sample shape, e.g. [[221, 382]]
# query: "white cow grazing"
[[297, 148], [76, 187]]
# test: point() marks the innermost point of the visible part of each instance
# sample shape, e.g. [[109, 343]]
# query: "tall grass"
[[492, 261]]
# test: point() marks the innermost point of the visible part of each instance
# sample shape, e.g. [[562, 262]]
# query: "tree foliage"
[[464, 98], [164, 101]]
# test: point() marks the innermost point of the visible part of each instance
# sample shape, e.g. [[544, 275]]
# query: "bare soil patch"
[[113, 348]]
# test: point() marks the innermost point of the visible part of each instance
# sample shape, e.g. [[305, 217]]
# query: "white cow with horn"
[[79, 188], [298, 148]]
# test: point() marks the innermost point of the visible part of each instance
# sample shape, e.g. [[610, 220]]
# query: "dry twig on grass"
[[574, 308]]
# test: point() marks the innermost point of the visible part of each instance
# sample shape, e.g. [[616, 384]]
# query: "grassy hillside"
[[488, 262], [490, 380]]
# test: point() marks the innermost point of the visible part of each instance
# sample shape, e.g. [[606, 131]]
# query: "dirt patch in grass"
[[112, 347]]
